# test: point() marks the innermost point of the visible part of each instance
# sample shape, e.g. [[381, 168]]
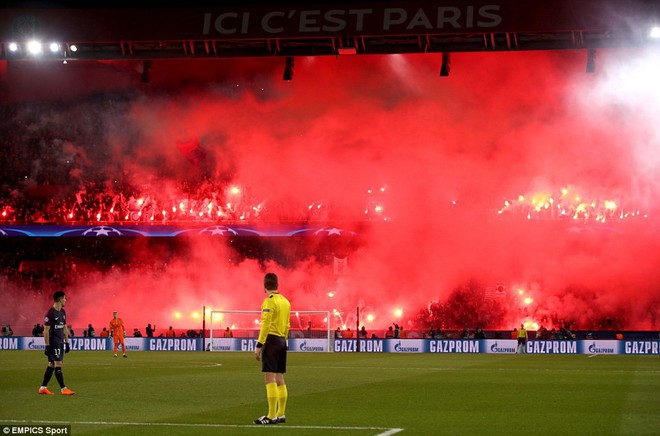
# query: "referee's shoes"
[[264, 420]]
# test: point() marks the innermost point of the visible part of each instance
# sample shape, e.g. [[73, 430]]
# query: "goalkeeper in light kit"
[[118, 333], [271, 349]]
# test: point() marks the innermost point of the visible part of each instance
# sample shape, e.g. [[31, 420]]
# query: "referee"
[[271, 349], [522, 339]]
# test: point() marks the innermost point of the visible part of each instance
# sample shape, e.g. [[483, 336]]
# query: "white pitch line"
[[390, 431], [387, 432]]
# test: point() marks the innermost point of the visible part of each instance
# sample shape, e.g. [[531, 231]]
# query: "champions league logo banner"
[[213, 231]]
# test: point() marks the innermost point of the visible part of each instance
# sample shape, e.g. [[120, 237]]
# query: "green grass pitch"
[[201, 393]]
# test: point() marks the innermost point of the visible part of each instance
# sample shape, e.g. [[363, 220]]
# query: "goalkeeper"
[[118, 332], [271, 349]]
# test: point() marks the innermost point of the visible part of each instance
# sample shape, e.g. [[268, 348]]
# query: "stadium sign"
[[34, 343], [246, 21], [308, 345], [359, 346], [80, 344], [454, 346], [9, 343], [499, 346], [404, 346], [641, 347], [173, 344], [599, 347], [551, 347], [248, 344], [353, 20], [449, 346], [294, 344]]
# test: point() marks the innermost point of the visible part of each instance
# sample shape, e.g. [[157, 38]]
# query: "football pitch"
[[202, 393]]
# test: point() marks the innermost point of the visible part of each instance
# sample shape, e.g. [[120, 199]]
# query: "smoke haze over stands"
[[519, 170]]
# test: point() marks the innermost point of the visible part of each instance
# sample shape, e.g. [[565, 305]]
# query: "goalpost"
[[245, 324]]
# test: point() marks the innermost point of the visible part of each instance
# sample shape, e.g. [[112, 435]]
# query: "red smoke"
[[440, 156]]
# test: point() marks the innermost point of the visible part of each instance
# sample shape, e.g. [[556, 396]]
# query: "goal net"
[[238, 330]]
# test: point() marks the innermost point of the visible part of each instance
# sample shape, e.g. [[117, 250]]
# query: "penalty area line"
[[387, 432]]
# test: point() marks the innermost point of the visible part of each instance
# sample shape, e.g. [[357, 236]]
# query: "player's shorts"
[[57, 353], [273, 355], [522, 341]]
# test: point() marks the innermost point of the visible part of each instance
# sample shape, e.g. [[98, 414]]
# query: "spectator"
[[136, 333], [389, 333], [348, 334], [338, 334], [150, 330], [38, 330], [90, 331], [363, 333], [71, 332], [228, 333], [7, 331], [104, 333], [170, 333]]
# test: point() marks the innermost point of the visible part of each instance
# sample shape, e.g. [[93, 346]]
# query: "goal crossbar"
[[252, 332]]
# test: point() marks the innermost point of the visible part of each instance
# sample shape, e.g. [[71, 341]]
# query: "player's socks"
[[59, 377], [271, 395], [47, 375], [282, 395]]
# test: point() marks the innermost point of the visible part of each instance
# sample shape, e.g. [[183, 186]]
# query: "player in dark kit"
[[56, 337]]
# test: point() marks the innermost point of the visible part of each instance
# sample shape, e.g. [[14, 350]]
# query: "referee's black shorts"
[[273, 355], [522, 341]]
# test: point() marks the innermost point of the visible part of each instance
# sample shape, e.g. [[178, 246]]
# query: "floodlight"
[[655, 32], [34, 47], [13, 47]]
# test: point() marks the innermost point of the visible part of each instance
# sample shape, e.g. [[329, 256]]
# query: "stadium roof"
[[107, 30]]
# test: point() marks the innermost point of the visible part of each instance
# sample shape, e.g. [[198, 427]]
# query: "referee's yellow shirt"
[[275, 317], [522, 333]]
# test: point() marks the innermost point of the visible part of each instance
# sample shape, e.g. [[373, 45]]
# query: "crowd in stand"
[[208, 201]]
